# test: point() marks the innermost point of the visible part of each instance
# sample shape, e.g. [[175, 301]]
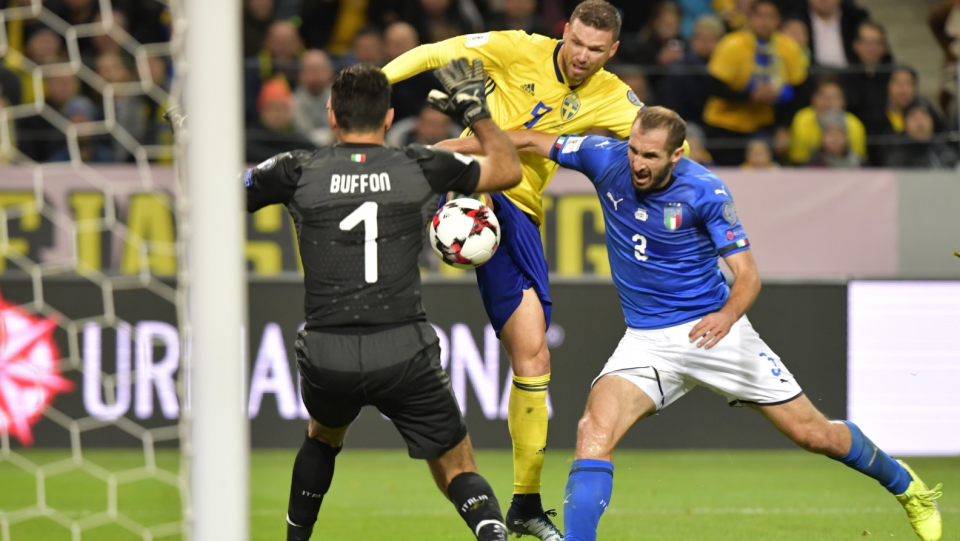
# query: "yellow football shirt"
[[526, 89]]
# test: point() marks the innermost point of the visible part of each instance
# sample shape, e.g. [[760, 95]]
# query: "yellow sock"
[[527, 420]]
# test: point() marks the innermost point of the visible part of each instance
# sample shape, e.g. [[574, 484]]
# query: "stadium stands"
[[669, 54]]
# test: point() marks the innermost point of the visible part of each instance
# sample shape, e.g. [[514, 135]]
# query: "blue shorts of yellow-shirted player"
[[518, 264]]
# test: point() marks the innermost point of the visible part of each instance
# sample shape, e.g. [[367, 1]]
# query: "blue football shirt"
[[663, 245]]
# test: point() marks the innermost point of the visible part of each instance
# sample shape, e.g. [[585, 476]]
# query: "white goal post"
[[217, 298]]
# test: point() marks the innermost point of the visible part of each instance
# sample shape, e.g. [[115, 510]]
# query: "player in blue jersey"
[[668, 219]]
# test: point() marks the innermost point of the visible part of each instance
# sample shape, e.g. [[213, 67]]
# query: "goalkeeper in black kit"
[[361, 210]]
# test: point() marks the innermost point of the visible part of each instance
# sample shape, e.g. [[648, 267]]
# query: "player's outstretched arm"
[[464, 100], [500, 165], [746, 286], [534, 142]]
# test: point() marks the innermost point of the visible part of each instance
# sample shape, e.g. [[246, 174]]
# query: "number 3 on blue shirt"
[[538, 113]]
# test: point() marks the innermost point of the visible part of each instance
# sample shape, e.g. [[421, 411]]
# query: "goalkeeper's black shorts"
[[396, 370]]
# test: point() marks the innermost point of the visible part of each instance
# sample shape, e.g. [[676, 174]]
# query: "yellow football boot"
[[921, 506]]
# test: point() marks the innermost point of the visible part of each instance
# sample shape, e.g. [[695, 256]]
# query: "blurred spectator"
[[37, 138], [833, 28], [634, 14], [866, 84], [368, 47], [919, 147], [519, 15], [443, 19], [10, 91], [758, 155], [147, 22], [888, 119], [331, 25], [692, 10], [752, 86], [733, 13], [257, 16], [14, 29], [273, 133], [310, 99], [159, 72], [104, 43], [797, 30], [410, 95], [132, 113], [428, 128], [286, 9], [806, 134], [658, 43], [697, 141], [943, 20], [9, 95], [79, 110], [44, 46], [77, 12], [278, 58], [685, 88], [834, 150], [633, 77]]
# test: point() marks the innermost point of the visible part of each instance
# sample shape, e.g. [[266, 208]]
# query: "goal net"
[[94, 435]]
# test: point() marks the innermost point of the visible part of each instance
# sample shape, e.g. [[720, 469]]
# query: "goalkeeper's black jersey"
[[361, 212]]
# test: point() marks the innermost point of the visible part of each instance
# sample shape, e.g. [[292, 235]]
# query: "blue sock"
[[870, 460], [588, 494]]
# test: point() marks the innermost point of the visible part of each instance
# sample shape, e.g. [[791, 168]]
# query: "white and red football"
[[464, 233]]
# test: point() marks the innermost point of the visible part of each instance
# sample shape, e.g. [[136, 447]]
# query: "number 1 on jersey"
[[366, 213]]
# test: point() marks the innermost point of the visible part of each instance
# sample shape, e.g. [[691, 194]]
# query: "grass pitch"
[[676, 495]]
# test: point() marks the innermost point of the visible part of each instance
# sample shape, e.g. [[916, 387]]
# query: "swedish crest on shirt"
[[571, 104], [672, 216]]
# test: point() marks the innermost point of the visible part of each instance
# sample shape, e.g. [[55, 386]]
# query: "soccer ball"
[[464, 233]]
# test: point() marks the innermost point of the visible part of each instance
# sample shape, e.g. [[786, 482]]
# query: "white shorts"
[[665, 365]]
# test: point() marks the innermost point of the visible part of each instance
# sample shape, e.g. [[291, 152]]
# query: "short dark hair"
[[656, 117], [908, 69], [828, 79], [757, 3], [598, 14], [870, 23], [360, 97]]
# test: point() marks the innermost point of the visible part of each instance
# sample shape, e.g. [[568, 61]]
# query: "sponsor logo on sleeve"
[[729, 213], [248, 178], [572, 145], [632, 96], [476, 40]]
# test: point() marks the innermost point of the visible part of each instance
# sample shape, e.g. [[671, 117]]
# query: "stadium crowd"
[[761, 83]]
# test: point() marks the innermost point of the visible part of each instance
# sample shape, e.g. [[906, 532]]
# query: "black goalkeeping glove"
[[464, 99]]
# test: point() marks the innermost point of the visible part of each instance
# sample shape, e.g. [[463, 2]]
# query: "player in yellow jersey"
[[555, 86]]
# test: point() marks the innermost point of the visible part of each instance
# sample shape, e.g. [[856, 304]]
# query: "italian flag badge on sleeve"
[[359, 158]]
